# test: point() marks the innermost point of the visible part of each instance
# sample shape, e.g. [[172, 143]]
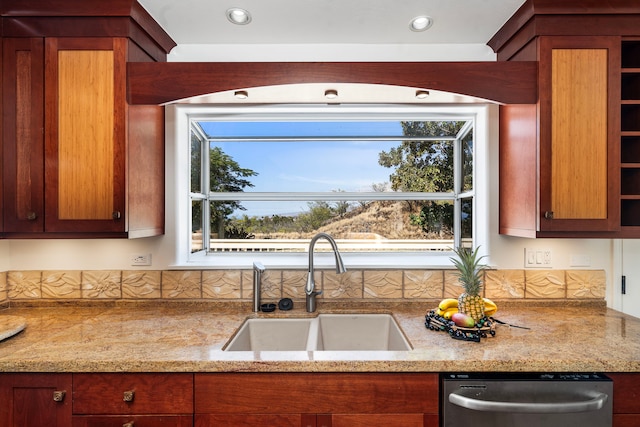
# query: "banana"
[[490, 307], [488, 302], [449, 306], [449, 313], [448, 303]]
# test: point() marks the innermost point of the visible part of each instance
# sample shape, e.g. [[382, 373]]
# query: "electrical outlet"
[[580, 261], [140, 259], [537, 258]]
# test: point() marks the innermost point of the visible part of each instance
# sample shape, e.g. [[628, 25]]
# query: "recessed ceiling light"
[[238, 16], [331, 93], [241, 94], [421, 23], [422, 94]]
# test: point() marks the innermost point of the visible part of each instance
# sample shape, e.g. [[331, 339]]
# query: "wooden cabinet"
[[78, 160], [626, 399], [154, 400], [559, 173], [35, 400], [316, 399]]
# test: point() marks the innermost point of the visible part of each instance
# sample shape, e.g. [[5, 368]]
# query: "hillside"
[[375, 220]]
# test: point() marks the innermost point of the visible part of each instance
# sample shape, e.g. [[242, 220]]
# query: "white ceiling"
[[382, 22], [332, 30]]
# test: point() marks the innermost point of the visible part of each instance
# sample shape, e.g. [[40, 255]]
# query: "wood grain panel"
[[145, 171], [253, 420], [85, 134], [154, 393], [316, 393], [27, 400], [579, 133], [138, 421], [22, 132], [158, 83], [518, 170], [376, 420]]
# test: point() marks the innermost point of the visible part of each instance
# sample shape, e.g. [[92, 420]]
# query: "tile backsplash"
[[360, 285]]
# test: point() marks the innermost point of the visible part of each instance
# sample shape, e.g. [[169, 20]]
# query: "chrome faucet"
[[258, 269], [310, 287]]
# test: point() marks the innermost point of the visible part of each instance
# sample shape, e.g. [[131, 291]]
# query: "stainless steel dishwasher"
[[526, 400]]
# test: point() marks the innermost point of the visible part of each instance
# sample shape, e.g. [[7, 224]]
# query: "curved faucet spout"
[[340, 268]]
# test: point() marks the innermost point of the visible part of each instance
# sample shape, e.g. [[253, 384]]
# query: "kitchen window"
[[388, 182]]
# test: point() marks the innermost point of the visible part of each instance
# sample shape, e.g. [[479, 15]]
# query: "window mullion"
[[328, 196], [457, 187], [206, 189]]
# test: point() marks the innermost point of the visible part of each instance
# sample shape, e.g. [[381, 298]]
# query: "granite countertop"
[[190, 337]]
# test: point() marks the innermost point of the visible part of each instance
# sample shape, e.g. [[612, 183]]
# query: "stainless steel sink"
[[326, 332]]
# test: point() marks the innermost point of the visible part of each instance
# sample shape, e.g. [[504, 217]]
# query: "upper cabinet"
[[563, 168], [78, 160]]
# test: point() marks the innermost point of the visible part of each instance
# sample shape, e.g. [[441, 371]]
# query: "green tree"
[[426, 166], [318, 215], [225, 175]]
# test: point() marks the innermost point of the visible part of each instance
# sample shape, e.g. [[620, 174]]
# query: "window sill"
[[321, 260]]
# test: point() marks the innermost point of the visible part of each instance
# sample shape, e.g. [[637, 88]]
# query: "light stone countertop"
[[189, 338]]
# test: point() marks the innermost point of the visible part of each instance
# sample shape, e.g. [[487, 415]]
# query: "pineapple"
[[470, 276]]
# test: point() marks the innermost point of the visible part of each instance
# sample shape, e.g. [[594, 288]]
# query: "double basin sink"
[[326, 332]]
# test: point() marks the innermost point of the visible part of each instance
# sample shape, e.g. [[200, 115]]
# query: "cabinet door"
[[23, 134], [85, 88], [579, 91], [35, 400]]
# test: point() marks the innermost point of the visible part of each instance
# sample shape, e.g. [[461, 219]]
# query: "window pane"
[[360, 225], [271, 183], [197, 225], [467, 162], [196, 163], [467, 219]]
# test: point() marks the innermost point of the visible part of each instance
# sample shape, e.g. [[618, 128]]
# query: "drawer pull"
[[32, 216], [548, 215], [58, 395], [116, 215], [128, 396], [130, 424]]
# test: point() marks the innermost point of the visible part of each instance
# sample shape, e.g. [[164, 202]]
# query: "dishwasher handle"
[[593, 402]]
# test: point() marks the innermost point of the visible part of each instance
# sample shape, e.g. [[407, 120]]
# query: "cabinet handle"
[[115, 215], [31, 216], [130, 424], [58, 395], [128, 396], [548, 214]]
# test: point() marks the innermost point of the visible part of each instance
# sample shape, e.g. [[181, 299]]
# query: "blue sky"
[[308, 166]]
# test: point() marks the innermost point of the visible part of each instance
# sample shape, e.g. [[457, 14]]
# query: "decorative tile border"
[[355, 285]]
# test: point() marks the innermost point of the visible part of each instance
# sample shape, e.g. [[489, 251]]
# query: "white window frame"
[[178, 118]]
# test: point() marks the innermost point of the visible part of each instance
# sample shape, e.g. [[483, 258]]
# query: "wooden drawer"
[[138, 421], [358, 393], [148, 394], [253, 420]]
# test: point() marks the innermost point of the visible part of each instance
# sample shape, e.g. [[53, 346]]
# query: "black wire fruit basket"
[[486, 327]]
